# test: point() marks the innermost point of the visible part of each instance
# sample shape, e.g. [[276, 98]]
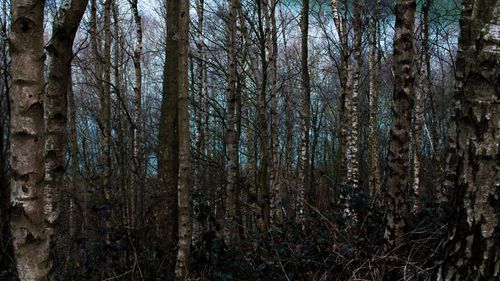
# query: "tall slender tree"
[[262, 114], [106, 122], [342, 31], [60, 50], [421, 91], [304, 112], [231, 137], [272, 47], [399, 146], [136, 193], [168, 145], [184, 206], [375, 69], [353, 102]]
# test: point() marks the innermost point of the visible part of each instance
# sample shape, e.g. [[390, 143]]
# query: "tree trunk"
[[340, 25], [136, 193], [231, 223], [374, 88], [168, 146], [289, 102], [263, 183], [276, 215], [74, 158], [472, 253], [200, 110], [304, 113], [4, 127], [184, 206], [353, 136], [418, 111], [398, 161], [31, 241], [60, 50], [106, 163]]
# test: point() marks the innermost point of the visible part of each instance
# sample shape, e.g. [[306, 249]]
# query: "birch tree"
[[30, 237], [353, 103], [399, 146], [183, 252], [472, 251], [304, 113], [60, 50]]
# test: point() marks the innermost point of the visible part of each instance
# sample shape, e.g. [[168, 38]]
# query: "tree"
[[106, 123], [136, 199], [272, 46], [421, 91], [168, 146], [231, 132], [60, 50], [304, 113], [472, 252], [398, 161], [184, 244], [340, 24], [353, 102], [31, 241], [375, 69], [263, 187]]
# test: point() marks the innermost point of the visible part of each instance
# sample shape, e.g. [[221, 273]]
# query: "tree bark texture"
[[473, 251], [231, 222], [183, 189], [30, 234], [399, 146], [60, 50], [353, 136]]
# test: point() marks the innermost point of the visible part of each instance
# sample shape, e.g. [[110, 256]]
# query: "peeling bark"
[[399, 147], [472, 252], [30, 236], [353, 135]]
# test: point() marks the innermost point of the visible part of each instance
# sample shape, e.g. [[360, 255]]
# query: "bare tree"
[[304, 113], [184, 206], [375, 69], [231, 138], [399, 147], [135, 190], [60, 50], [353, 102], [168, 145]]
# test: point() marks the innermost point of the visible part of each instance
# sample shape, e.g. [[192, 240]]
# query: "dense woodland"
[[249, 140]]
